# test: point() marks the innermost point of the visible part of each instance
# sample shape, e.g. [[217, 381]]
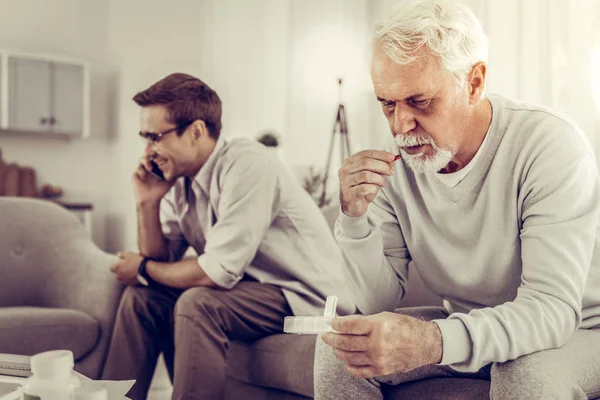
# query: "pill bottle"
[[52, 378]]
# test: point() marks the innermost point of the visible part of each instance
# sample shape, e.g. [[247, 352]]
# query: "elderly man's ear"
[[476, 82]]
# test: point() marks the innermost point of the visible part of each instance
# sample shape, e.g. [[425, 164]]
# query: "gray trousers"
[[570, 372], [192, 329]]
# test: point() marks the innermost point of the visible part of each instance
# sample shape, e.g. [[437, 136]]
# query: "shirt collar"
[[203, 177]]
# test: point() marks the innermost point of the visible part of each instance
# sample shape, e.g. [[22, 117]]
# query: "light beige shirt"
[[245, 214]]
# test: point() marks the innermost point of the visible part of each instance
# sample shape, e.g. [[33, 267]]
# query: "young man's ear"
[[199, 130], [476, 81]]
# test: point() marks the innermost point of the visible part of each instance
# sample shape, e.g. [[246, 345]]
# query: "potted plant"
[[313, 184], [269, 139]]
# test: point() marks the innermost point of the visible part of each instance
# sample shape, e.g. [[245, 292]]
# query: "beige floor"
[[161, 388]]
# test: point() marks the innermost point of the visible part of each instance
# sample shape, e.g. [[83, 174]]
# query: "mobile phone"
[[156, 171]]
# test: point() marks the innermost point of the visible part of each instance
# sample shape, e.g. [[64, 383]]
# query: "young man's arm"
[[245, 211], [155, 240], [181, 274], [151, 241]]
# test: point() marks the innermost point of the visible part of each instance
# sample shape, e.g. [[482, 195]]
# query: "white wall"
[[274, 63], [236, 47], [77, 28]]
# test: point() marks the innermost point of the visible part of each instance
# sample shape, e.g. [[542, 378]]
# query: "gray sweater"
[[512, 248]]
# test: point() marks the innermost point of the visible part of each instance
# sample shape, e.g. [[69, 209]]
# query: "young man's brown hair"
[[187, 99]]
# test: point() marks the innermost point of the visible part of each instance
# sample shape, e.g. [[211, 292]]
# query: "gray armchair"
[[56, 288]]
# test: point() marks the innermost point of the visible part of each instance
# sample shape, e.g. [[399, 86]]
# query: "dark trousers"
[[192, 329]]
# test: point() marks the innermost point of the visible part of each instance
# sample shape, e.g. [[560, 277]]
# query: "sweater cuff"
[[353, 227], [456, 341]]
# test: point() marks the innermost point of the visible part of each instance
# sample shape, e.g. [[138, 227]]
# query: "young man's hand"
[[384, 343], [147, 187], [126, 268], [361, 177]]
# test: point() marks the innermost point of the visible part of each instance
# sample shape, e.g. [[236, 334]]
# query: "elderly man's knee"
[[198, 301], [531, 377], [327, 365], [324, 354]]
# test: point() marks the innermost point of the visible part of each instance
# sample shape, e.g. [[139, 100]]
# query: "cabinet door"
[[2, 95], [29, 95], [67, 98]]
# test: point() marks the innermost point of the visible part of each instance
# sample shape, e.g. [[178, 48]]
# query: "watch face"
[[142, 280]]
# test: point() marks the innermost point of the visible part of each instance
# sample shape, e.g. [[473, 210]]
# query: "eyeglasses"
[[156, 137]]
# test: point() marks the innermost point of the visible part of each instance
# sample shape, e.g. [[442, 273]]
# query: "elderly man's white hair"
[[450, 31]]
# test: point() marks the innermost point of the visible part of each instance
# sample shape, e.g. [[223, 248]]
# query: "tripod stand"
[[340, 121]]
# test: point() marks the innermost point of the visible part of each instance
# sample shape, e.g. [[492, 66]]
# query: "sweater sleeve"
[[376, 256], [559, 223]]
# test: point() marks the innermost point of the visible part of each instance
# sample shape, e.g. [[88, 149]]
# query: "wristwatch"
[[142, 276]]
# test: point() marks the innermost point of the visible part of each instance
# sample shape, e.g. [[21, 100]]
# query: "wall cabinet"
[[42, 94]]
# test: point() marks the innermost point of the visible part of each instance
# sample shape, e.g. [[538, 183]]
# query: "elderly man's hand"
[[384, 343], [361, 177]]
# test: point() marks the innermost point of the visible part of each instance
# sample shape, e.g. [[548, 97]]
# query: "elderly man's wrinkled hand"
[[384, 343]]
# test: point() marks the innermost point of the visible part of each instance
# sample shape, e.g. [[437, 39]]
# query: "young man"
[[264, 248], [495, 202]]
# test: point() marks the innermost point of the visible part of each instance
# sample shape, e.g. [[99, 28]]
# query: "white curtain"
[[543, 51]]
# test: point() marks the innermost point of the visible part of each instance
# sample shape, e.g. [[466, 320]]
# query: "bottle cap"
[[52, 364]]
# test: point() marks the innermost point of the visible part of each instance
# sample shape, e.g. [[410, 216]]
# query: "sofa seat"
[[280, 366], [281, 362], [32, 330]]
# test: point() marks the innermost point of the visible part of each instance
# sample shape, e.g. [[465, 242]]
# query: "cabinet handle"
[[52, 121], [43, 121]]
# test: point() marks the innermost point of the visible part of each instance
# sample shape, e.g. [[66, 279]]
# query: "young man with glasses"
[[264, 249]]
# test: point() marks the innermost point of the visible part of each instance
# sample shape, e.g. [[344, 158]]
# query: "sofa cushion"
[[440, 389], [32, 330], [280, 361]]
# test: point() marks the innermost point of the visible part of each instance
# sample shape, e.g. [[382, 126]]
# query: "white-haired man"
[[495, 202]]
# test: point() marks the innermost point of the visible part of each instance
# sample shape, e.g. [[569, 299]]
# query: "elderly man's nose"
[[404, 121]]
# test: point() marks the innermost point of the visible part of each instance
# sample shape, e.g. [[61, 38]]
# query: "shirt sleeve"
[[558, 233], [376, 256], [245, 213], [171, 230]]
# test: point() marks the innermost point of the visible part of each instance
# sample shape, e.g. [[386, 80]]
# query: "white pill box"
[[312, 325]]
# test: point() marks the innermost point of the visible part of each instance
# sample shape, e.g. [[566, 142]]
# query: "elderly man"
[[494, 201]]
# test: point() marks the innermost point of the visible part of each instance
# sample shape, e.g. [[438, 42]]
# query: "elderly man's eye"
[[420, 103]]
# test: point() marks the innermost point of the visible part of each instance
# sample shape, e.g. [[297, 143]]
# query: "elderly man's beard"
[[419, 162]]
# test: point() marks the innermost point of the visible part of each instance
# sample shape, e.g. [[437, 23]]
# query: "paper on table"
[[116, 389], [10, 391]]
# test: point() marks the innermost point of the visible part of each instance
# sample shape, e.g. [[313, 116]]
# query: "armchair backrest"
[[47, 257]]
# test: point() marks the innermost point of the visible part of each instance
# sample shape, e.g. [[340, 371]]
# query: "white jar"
[[53, 377]]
